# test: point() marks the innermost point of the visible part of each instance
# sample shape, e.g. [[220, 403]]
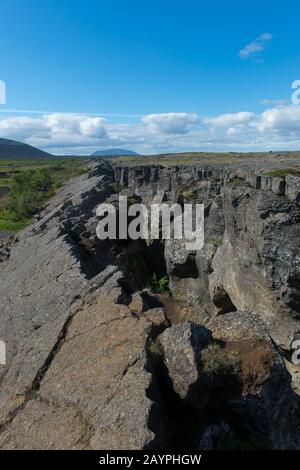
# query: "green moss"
[[236, 181], [178, 297], [216, 360], [153, 348]]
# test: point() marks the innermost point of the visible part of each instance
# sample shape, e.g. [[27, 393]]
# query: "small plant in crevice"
[[159, 285], [178, 297], [218, 361], [190, 194], [153, 349], [236, 181], [116, 187], [215, 242]]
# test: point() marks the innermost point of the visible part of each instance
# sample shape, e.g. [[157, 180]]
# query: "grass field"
[[207, 158], [58, 170]]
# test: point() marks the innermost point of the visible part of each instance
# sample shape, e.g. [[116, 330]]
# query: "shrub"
[[190, 194], [7, 221], [216, 360], [29, 188], [116, 187], [216, 242], [153, 348], [57, 167], [159, 285]]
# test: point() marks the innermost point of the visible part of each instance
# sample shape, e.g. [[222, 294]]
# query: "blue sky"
[[151, 75]]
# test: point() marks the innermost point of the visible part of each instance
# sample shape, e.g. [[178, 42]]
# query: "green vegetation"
[[159, 285], [191, 194], [203, 158], [178, 297], [216, 360], [28, 184], [116, 187], [7, 221], [28, 190], [153, 348], [283, 172], [236, 181], [133, 200], [216, 242]]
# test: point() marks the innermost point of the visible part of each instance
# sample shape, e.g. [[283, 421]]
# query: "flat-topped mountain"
[[114, 153], [14, 149]]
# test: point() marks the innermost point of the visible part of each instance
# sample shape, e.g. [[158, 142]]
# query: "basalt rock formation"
[[96, 360], [251, 257]]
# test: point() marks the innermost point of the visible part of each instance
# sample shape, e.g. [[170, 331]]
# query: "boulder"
[[266, 406], [292, 188], [278, 186], [137, 305], [232, 368], [181, 346]]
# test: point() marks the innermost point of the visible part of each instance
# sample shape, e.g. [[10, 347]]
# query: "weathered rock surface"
[[267, 405], [90, 352], [251, 256], [181, 346], [4, 250], [76, 362], [254, 392]]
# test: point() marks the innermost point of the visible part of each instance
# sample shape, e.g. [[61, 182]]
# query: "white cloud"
[[226, 120], [256, 46], [70, 124], [284, 120], [170, 123], [274, 102], [53, 129], [275, 128]]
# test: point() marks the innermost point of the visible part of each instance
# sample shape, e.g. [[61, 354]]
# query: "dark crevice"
[[223, 301], [183, 422], [184, 425], [188, 269]]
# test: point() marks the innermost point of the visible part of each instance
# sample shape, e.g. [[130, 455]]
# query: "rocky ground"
[[96, 360]]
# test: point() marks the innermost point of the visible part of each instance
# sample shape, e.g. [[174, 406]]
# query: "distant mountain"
[[14, 149], [114, 153]]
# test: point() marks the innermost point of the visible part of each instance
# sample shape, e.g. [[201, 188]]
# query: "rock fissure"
[[96, 339]]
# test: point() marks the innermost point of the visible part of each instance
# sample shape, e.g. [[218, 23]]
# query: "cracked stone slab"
[[100, 371]]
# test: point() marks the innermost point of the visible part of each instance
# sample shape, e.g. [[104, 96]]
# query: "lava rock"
[[181, 346]]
